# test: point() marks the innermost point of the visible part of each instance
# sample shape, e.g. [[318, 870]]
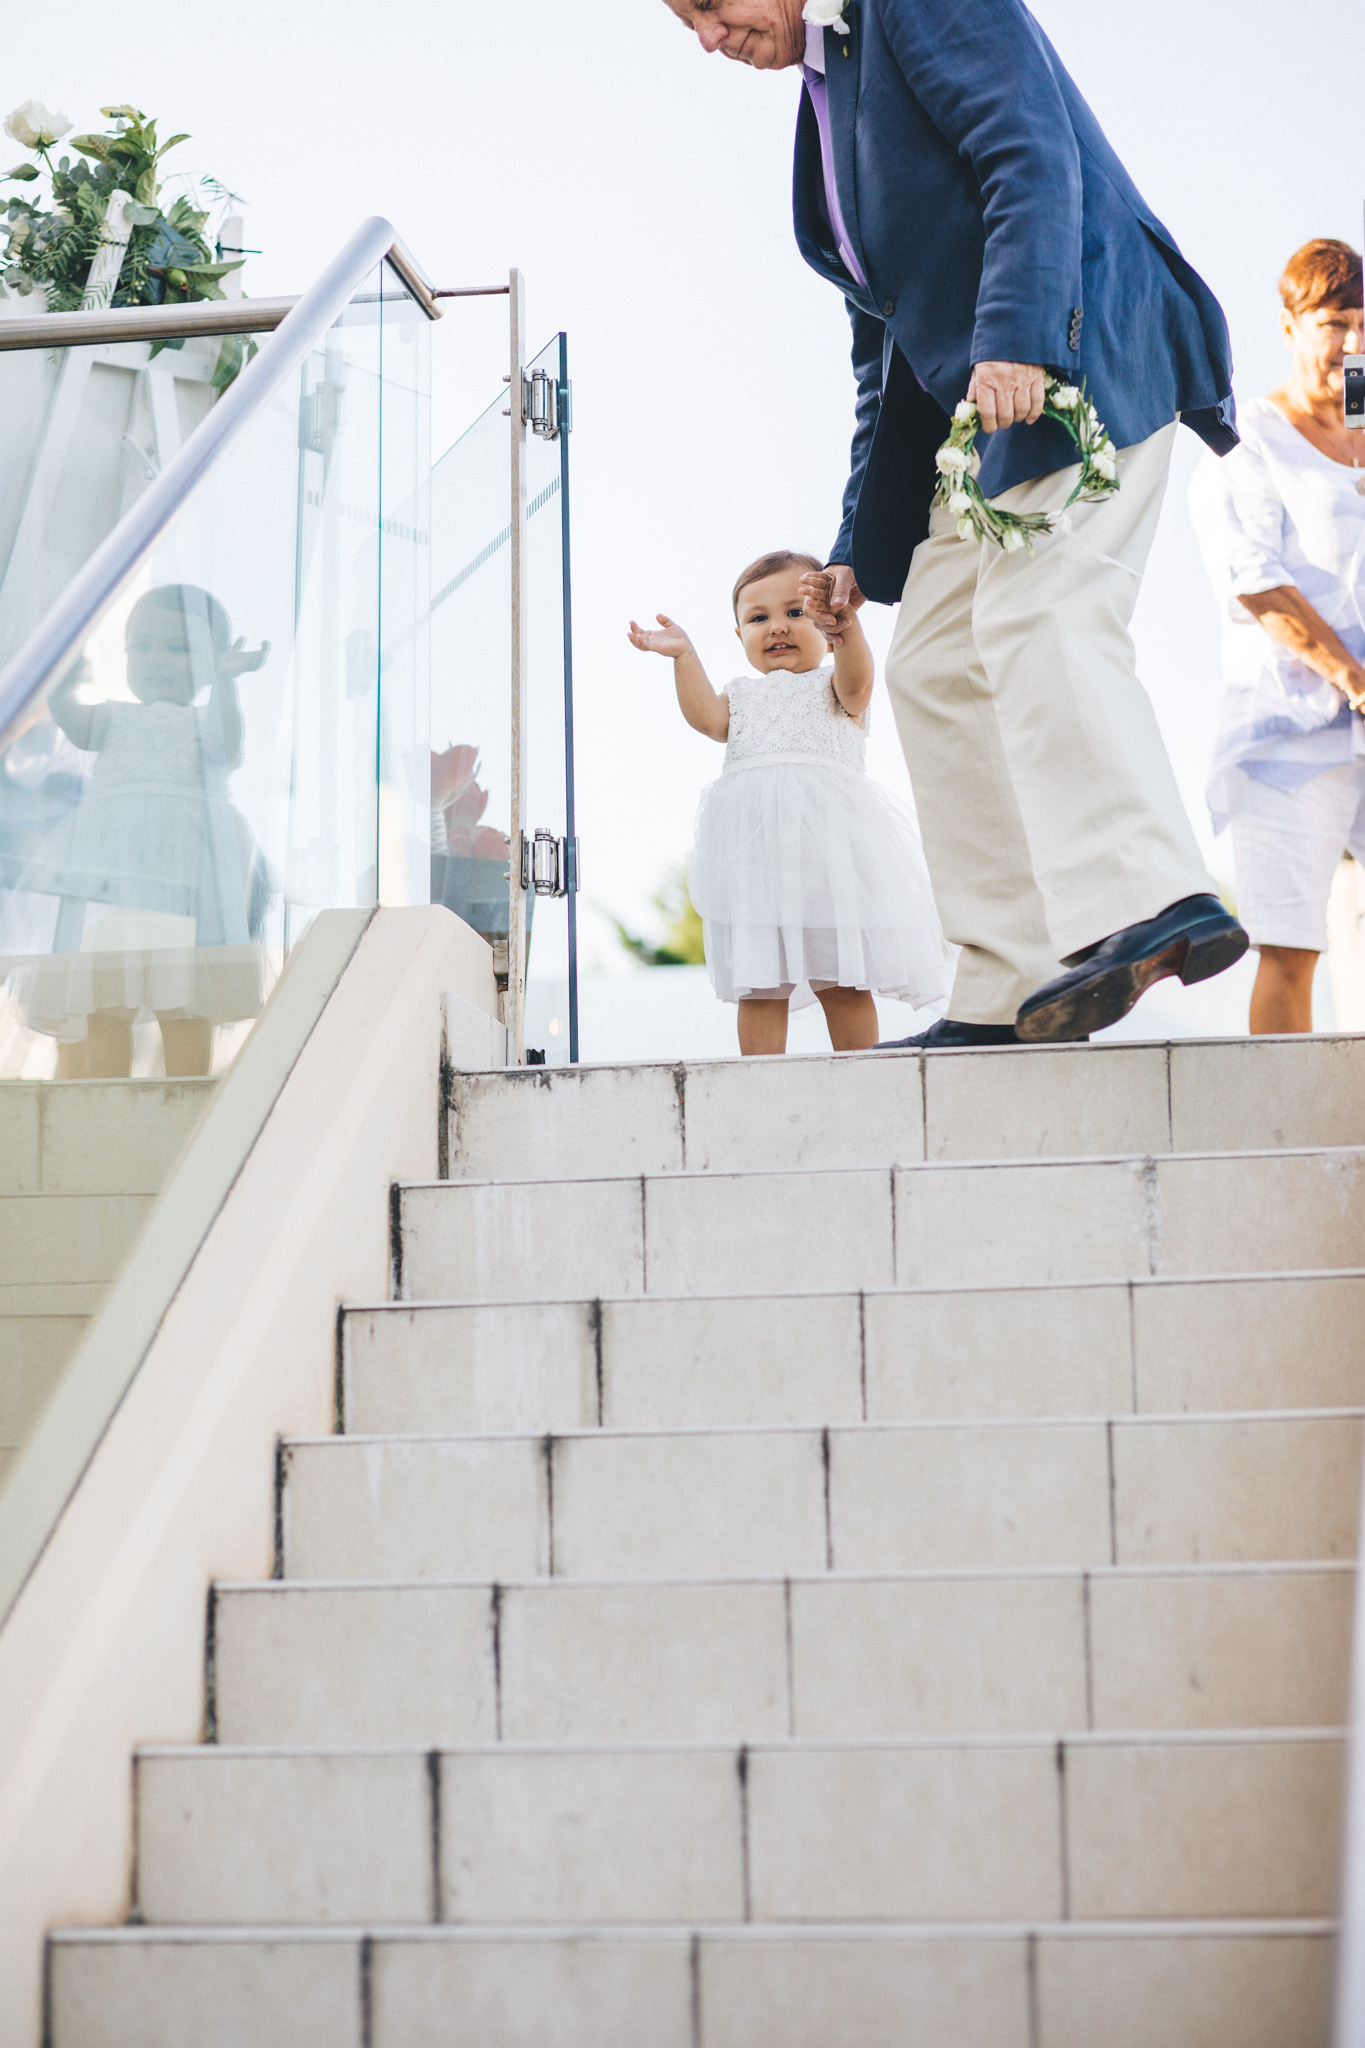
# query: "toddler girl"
[[158, 878], [809, 878]]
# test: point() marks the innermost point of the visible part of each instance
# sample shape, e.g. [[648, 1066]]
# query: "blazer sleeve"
[[982, 73], [869, 343]]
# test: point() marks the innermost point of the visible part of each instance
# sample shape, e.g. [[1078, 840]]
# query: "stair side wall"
[[223, 1327]]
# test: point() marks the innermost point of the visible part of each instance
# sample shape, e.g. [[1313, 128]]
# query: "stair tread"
[[682, 1930], [1209, 1418]]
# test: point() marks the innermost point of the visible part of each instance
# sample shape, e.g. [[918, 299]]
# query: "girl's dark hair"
[[1322, 273], [771, 565]]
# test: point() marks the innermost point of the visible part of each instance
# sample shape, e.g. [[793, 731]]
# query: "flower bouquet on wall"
[[97, 228]]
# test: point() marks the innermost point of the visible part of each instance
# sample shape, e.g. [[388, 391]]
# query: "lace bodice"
[[155, 748], [787, 714]]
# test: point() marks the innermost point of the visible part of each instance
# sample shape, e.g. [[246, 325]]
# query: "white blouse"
[[1277, 511]]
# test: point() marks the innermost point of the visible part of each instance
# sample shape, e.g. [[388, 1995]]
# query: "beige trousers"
[[1048, 806]]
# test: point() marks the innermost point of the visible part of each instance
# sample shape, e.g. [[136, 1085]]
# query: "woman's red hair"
[[1322, 273]]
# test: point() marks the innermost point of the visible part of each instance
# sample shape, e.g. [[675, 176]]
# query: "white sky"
[[645, 191]]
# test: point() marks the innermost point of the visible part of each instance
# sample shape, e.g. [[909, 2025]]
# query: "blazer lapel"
[[813, 232], [843, 66]]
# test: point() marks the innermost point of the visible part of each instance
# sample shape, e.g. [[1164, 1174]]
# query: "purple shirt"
[[814, 72]]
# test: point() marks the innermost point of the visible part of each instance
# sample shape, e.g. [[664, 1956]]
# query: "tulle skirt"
[[808, 875]]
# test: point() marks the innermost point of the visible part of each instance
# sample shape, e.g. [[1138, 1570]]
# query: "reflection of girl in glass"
[[162, 887]]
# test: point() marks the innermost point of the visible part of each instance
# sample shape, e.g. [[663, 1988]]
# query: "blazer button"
[[888, 307]]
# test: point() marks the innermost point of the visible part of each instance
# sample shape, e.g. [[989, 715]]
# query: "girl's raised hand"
[[672, 641], [242, 661]]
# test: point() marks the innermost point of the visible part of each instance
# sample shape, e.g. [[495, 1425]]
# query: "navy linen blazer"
[[994, 223]]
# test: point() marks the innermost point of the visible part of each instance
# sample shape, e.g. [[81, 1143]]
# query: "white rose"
[[966, 530], [1066, 398], [1012, 540], [959, 504], [826, 14], [1106, 462], [967, 414], [35, 126], [951, 462]]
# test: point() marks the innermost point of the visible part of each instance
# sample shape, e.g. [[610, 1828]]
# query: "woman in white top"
[[1282, 526]]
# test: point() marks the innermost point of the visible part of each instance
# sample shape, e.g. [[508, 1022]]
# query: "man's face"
[[768, 35]]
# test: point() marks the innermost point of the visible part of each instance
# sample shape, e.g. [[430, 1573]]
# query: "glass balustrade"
[[231, 736], [475, 825], [83, 431], [471, 678], [242, 739], [256, 662], [551, 971]]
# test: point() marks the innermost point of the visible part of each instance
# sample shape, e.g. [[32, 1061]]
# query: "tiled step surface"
[[95, 1137], [916, 1226], [433, 1665], [1096, 1828], [757, 1536], [59, 1255], [53, 1240], [80, 1165], [1159, 1347], [1204, 1985], [986, 1496], [855, 1111]]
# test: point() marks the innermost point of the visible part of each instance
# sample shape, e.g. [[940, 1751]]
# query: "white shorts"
[[1286, 845]]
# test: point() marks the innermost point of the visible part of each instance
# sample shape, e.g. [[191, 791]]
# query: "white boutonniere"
[[826, 14]]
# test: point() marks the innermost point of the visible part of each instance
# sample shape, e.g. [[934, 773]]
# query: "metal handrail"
[[145, 323], [94, 587]]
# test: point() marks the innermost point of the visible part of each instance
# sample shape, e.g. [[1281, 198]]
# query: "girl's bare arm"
[[82, 723], [702, 707], [854, 669]]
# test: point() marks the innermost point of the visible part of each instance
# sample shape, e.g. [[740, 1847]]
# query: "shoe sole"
[[1094, 1005]]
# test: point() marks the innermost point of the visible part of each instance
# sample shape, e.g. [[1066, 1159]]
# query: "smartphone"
[[1355, 391]]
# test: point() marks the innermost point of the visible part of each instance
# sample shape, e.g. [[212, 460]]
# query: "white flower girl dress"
[[806, 873]]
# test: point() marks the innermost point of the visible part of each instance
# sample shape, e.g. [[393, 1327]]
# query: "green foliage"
[[169, 260], [680, 942]]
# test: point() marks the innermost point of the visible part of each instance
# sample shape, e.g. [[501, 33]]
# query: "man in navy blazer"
[[953, 183]]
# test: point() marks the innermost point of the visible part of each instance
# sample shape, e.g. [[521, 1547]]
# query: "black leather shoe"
[[1196, 939], [946, 1035]]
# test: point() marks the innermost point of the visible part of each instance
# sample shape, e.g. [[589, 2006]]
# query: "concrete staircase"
[[816, 1554], [81, 1163]]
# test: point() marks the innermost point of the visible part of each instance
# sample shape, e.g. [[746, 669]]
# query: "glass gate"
[[504, 854]]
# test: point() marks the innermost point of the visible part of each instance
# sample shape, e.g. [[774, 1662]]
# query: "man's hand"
[[831, 598], [672, 641], [1008, 394]]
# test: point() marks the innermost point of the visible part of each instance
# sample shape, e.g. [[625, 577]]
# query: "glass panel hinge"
[[549, 866], [547, 405]]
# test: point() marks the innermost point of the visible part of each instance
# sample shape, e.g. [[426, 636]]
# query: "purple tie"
[[819, 99]]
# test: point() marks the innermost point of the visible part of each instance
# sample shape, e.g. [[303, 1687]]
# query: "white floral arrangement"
[[35, 126], [959, 465], [826, 14]]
